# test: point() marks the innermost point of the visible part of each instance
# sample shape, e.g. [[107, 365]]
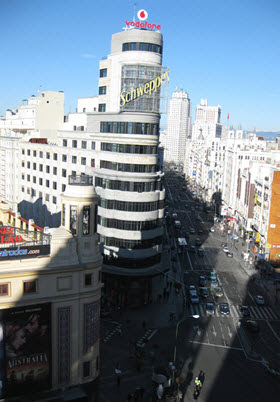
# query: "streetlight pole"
[[175, 349]]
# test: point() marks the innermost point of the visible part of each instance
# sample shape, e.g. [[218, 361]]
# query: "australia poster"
[[25, 349]]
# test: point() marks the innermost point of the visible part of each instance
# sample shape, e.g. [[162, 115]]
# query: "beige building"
[[50, 289]]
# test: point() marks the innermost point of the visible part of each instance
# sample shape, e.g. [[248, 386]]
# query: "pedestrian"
[[196, 394]]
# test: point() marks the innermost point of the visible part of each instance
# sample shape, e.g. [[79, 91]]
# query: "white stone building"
[[178, 128]]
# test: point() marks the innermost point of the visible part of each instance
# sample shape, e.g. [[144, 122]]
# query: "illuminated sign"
[[146, 89], [142, 16]]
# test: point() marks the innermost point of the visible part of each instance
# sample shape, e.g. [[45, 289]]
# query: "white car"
[[212, 230], [226, 250]]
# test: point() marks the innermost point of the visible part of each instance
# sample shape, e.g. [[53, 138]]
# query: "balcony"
[[80, 180]]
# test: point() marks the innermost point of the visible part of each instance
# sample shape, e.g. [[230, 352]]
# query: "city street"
[[221, 344]]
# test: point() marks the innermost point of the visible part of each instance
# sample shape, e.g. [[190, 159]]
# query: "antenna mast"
[[134, 12]]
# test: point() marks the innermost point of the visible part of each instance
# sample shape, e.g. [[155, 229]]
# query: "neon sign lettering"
[[146, 89]]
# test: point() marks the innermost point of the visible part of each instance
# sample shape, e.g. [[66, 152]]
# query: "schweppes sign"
[[147, 89]]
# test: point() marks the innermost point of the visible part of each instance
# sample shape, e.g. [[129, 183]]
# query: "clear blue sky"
[[226, 51]]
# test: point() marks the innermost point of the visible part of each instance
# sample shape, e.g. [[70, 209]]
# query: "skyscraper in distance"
[[178, 127]]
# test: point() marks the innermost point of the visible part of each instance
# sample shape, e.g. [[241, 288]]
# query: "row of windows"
[[75, 144], [131, 206], [130, 244], [129, 225], [41, 154], [132, 263], [124, 127], [129, 149], [128, 185], [127, 167], [32, 286], [142, 46], [33, 193], [74, 159]]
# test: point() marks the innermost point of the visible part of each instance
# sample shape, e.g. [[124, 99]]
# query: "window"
[[92, 144], [22, 164], [54, 185], [92, 163], [34, 166], [34, 153], [28, 165], [34, 179], [74, 143], [86, 369], [47, 183], [64, 143], [86, 220], [28, 177], [54, 199], [29, 287], [48, 155], [73, 219], [22, 177], [88, 279], [55, 157], [40, 181], [41, 154], [55, 170], [41, 167], [73, 173], [84, 144], [47, 197], [28, 190], [74, 159], [102, 90], [63, 187], [28, 152], [63, 172], [47, 169], [64, 158], [23, 152], [103, 72], [4, 289], [63, 214], [83, 161], [33, 193], [102, 107]]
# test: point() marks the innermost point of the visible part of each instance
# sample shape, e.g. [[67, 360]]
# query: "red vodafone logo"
[[142, 15]]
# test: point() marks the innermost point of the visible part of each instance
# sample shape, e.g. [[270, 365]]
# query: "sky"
[[225, 51]]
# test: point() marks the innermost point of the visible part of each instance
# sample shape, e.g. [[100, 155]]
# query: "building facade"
[[50, 297]]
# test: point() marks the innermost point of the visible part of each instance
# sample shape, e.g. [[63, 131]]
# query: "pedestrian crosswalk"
[[256, 312]]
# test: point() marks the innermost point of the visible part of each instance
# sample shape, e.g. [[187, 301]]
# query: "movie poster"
[[26, 345]]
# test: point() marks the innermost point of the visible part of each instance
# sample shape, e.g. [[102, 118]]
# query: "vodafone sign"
[[142, 16]]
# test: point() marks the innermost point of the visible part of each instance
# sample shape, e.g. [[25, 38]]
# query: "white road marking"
[[271, 312], [214, 332], [235, 312], [218, 346], [256, 313]]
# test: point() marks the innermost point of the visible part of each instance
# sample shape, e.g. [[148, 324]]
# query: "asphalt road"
[[231, 356]]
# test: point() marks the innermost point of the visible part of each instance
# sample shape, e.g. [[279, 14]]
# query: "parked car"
[[259, 300], [213, 275], [192, 231], [244, 311], [218, 291], [200, 252], [252, 326], [197, 242], [212, 230], [210, 309], [214, 283], [224, 309], [204, 292], [192, 249], [226, 250], [229, 255], [202, 280], [194, 298]]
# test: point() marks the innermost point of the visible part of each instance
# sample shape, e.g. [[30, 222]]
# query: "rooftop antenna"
[[134, 12]]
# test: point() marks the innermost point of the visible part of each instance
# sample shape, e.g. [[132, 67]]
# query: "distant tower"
[[178, 127]]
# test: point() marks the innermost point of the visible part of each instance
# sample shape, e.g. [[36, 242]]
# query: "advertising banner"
[[12, 253], [25, 349]]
